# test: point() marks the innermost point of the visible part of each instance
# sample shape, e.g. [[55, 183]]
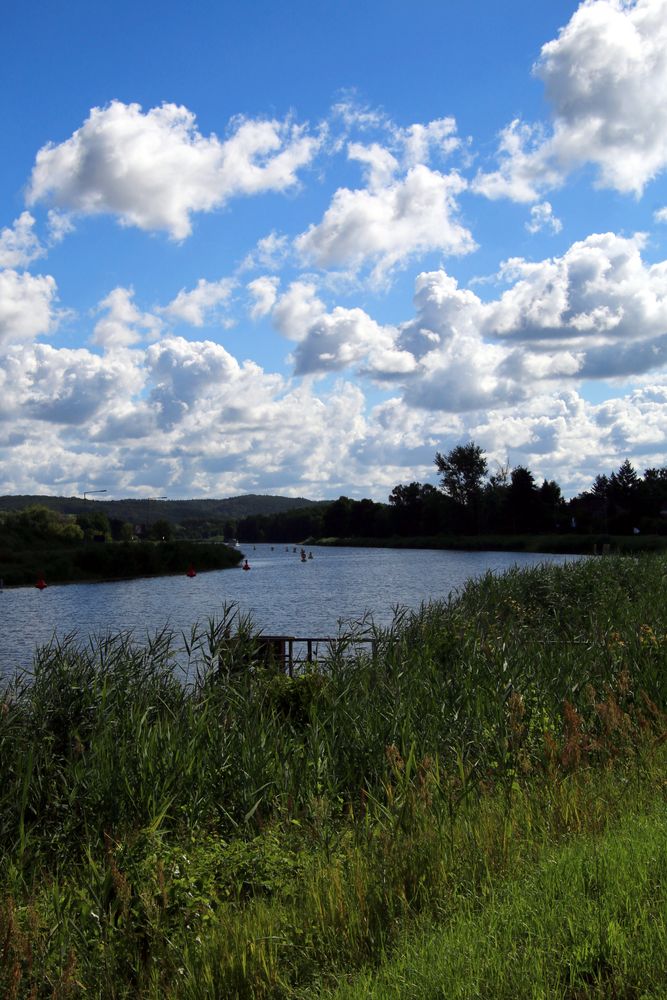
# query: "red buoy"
[[191, 571], [246, 565], [41, 583]]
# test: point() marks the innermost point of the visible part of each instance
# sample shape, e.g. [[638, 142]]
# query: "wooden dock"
[[289, 652]]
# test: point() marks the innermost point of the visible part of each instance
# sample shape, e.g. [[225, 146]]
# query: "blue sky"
[[299, 249]]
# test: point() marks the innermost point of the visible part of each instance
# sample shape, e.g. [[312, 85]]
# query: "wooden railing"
[[289, 651]]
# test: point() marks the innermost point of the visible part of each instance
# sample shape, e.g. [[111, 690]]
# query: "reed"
[[179, 819]]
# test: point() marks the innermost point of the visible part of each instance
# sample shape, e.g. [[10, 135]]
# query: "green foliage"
[[294, 698], [462, 471], [587, 920], [177, 819], [161, 531], [283, 526], [61, 560], [36, 523]]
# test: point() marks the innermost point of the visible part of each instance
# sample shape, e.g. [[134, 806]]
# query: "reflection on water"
[[282, 594]]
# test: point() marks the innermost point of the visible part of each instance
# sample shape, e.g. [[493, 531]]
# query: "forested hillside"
[[139, 510]]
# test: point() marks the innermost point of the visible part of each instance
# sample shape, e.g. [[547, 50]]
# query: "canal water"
[[282, 594]]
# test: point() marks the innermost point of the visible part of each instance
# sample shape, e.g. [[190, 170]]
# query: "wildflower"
[[394, 759], [647, 636]]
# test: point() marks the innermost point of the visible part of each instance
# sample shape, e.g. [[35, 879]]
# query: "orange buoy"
[[191, 571], [41, 583]]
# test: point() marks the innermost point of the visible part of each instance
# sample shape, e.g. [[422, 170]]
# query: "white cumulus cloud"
[[264, 291], [339, 339], [385, 225], [194, 306], [19, 244], [600, 297], [542, 217], [63, 386], [27, 306], [155, 169], [123, 324], [605, 77]]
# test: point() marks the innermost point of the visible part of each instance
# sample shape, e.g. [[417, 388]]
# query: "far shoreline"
[[112, 562], [565, 544]]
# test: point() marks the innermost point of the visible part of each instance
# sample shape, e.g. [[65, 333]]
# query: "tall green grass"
[[236, 832], [589, 919]]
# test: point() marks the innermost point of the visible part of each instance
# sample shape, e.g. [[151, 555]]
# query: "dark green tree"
[[654, 498], [230, 530], [553, 505], [462, 472], [94, 526], [495, 517], [337, 518], [161, 531], [523, 500], [624, 498], [406, 508], [416, 509]]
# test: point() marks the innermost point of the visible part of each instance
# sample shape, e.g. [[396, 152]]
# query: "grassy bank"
[[575, 544], [252, 835], [94, 561], [586, 919]]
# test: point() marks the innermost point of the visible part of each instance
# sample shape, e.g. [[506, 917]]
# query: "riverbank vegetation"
[[474, 508], [566, 543], [475, 809], [40, 544]]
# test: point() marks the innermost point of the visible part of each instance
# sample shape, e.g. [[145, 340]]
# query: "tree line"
[[471, 500], [38, 524]]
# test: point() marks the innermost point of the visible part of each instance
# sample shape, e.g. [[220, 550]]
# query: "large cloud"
[[598, 311], [66, 387], [154, 169], [342, 338], [599, 297], [458, 371], [27, 306], [390, 220], [186, 418], [605, 77]]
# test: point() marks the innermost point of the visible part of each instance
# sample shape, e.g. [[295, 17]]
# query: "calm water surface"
[[282, 594]]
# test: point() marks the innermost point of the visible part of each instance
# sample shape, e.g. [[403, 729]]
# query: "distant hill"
[[176, 511]]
